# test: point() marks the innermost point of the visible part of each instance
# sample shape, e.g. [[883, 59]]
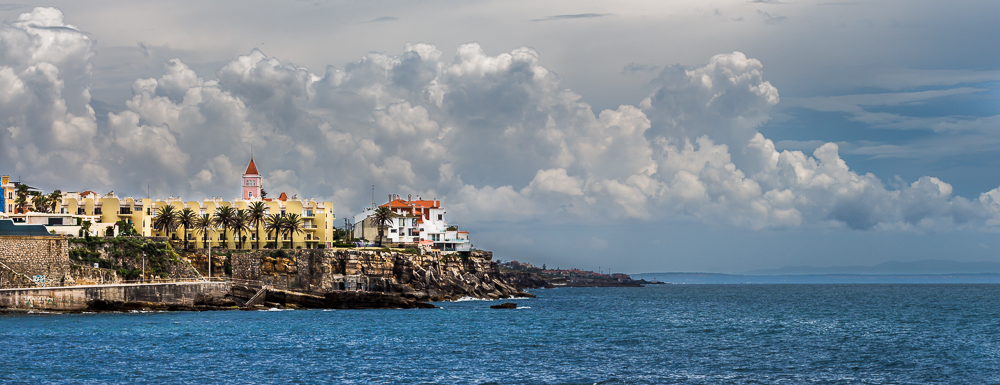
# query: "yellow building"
[[317, 217]]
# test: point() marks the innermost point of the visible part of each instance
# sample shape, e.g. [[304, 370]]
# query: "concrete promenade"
[[76, 298]]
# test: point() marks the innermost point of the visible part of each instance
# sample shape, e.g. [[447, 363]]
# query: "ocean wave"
[[464, 299]]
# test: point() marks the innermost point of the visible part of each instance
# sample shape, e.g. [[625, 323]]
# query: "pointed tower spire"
[[251, 181]]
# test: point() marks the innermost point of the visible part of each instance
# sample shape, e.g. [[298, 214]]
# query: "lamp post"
[[209, 257]]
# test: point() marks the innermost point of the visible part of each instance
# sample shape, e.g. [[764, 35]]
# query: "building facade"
[[104, 211], [415, 222]]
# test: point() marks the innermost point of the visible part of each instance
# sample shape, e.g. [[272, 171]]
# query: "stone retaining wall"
[[76, 298], [44, 260]]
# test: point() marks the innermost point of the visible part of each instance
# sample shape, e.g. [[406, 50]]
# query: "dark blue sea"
[[696, 334]]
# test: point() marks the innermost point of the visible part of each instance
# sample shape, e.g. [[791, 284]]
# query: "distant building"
[[7, 198], [416, 222], [10, 194], [104, 211]]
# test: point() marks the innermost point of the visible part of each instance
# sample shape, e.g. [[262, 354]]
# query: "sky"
[[633, 136]]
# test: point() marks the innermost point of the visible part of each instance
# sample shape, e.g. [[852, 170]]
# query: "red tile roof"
[[402, 203], [283, 197], [251, 168]]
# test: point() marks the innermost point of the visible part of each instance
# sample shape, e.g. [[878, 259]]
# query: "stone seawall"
[[44, 261], [81, 298]]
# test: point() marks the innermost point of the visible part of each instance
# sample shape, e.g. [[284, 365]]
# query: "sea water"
[[699, 334]]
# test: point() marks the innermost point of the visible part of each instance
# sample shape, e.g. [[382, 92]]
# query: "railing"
[[9, 285], [250, 302]]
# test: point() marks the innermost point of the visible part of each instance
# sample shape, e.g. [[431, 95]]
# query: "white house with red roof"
[[417, 222]]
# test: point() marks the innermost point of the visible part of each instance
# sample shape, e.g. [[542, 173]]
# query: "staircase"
[[26, 280], [200, 277], [259, 296]]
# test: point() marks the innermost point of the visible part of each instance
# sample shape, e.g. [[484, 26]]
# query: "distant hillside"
[[710, 278], [927, 266]]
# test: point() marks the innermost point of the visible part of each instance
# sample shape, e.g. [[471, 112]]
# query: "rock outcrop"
[[524, 280], [365, 278]]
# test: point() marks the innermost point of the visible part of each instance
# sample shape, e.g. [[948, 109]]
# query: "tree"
[[263, 193], [41, 203], [241, 224], [186, 218], [203, 225], [125, 228], [21, 201], [256, 214], [292, 225], [55, 200], [224, 217], [85, 229], [166, 219], [274, 224], [383, 219]]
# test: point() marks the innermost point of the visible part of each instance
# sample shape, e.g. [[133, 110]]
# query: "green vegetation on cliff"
[[125, 254]]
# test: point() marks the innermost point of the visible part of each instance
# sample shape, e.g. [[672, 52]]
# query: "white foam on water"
[[463, 299]]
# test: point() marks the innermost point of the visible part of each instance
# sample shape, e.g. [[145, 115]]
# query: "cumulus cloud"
[[498, 137]]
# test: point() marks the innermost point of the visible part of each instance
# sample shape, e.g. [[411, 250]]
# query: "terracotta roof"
[[283, 197], [251, 168], [403, 203]]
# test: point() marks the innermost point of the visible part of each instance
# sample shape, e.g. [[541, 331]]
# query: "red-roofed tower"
[[251, 182]]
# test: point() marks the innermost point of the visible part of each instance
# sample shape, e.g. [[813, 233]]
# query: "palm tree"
[[383, 219], [21, 201], [256, 215], [85, 229], [293, 225], [55, 200], [166, 219], [274, 223], [241, 224], [186, 218], [41, 203], [224, 216], [204, 224]]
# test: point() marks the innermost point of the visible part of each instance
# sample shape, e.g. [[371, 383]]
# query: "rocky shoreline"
[[330, 279]]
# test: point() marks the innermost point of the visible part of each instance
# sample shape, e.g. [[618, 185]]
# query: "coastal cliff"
[[392, 278]]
